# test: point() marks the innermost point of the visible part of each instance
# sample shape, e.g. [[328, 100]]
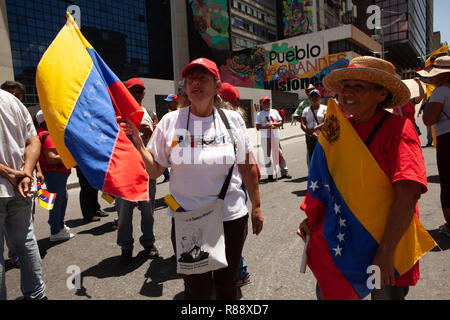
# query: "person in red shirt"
[[55, 175], [283, 117], [366, 88], [409, 110]]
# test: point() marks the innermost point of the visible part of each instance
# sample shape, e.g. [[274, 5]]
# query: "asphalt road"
[[273, 256]]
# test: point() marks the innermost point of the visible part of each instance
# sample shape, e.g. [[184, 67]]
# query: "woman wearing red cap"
[[196, 144]]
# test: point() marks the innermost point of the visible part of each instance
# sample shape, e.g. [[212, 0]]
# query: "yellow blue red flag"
[[349, 211], [80, 98], [46, 199], [442, 51]]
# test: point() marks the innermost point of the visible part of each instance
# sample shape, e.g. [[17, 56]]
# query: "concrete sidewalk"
[[289, 132]]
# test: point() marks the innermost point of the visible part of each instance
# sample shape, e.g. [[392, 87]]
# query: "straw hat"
[[373, 70], [440, 65]]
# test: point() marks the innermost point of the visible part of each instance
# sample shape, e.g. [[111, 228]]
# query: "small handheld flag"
[[45, 198], [172, 203], [108, 198]]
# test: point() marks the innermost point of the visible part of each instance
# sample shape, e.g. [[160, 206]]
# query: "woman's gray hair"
[[221, 103]]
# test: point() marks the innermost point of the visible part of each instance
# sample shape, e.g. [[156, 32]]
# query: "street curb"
[[286, 138], [77, 184]]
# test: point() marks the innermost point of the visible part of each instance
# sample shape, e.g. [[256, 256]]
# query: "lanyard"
[[214, 122]]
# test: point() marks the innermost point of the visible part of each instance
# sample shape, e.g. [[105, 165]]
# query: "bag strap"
[[445, 114], [226, 184], [375, 129], [315, 117], [44, 136]]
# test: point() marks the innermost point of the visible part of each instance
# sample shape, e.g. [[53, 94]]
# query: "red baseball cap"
[[202, 62], [264, 99], [134, 82], [229, 93]]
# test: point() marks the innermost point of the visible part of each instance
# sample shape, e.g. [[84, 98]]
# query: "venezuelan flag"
[[442, 51], [46, 199], [341, 207], [80, 98]]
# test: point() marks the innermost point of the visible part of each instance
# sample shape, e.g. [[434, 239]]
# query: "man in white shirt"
[[19, 153], [268, 121]]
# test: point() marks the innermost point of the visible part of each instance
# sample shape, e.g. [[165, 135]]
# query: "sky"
[[442, 19]]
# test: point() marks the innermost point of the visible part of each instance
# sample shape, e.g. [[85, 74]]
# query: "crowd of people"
[[205, 114]]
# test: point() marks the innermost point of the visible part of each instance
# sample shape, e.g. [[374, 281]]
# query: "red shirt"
[[48, 144], [397, 150], [408, 111], [282, 114]]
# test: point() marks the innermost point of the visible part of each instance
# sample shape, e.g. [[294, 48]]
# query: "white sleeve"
[[305, 112], [243, 144], [28, 120], [258, 119], [158, 145], [276, 115]]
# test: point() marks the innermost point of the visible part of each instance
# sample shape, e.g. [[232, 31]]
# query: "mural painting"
[[297, 17], [211, 20], [288, 65]]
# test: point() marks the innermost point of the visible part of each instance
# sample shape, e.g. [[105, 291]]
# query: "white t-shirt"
[[16, 127], [442, 95], [263, 118], [311, 120], [198, 173]]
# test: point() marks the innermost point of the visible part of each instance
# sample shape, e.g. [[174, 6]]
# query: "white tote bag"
[[199, 234], [200, 239]]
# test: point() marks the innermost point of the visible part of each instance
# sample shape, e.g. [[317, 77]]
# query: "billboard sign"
[[288, 65]]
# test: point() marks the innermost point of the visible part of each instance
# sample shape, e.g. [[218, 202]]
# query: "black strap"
[[315, 117], [44, 136], [375, 129], [445, 114], [226, 184]]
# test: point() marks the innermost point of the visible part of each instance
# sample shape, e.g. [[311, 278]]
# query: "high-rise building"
[[400, 26], [117, 29], [252, 22]]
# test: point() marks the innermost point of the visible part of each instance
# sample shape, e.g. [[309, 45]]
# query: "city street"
[[273, 257]]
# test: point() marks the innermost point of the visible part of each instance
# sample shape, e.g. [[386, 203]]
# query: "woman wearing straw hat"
[[437, 113], [196, 157], [366, 88]]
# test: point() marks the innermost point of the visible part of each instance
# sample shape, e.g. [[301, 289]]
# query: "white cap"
[[40, 117]]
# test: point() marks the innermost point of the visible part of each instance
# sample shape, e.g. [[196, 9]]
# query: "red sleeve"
[[405, 155], [48, 143]]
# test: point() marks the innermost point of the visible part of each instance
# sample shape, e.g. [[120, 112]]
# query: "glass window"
[[108, 26]]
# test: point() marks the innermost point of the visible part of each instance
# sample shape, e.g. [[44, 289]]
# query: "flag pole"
[[304, 256]]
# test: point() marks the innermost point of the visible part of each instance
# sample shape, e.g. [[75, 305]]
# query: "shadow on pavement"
[[300, 193], [75, 223], [159, 203], [45, 244], [443, 242], [110, 209], [110, 268], [298, 180], [99, 230], [159, 271]]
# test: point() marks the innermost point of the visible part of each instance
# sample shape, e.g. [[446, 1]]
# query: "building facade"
[[252, 23], [118, 30], [247, 39]]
